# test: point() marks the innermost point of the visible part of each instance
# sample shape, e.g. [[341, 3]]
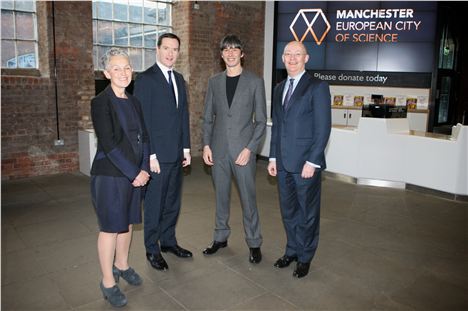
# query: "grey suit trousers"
[[222, 172]]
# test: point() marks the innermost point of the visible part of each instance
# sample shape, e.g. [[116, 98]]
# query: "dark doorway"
[[451, 81]]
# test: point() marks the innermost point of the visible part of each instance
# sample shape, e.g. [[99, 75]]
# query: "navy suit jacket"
[[115, 155], [167, 124], [301, 133]]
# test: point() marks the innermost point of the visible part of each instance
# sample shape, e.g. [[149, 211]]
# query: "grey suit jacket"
[[229, 130]]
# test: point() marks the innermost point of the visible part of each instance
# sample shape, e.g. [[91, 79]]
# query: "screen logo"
[[310, 24]]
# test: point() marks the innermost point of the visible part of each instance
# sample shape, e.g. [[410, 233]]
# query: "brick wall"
[[201, 30], [28, 96]]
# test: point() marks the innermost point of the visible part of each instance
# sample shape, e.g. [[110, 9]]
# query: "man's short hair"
[[167, 35], [231, 41]]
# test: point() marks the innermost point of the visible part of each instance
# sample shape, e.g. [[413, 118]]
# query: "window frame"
[[34, 71], [141, 48]]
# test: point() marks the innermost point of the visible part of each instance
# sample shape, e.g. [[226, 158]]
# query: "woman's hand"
[[141, 180]]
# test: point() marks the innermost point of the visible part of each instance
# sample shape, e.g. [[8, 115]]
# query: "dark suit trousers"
[[162, 207], [300, 210]]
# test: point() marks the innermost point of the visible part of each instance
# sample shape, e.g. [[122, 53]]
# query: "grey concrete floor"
[[380, 249]]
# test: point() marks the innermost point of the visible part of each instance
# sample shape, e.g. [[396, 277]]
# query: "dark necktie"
[[288, 94], [171, 85]]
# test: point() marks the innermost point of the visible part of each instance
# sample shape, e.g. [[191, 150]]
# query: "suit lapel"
[[298, 90], [278, 100], [161, 79], [159, 75], [222, 87], [179, 83]]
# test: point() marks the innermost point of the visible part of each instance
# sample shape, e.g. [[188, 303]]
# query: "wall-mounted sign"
[[360, 36], [382, 79]]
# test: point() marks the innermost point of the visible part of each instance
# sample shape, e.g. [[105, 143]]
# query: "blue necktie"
[[171, 85], [288, 94]]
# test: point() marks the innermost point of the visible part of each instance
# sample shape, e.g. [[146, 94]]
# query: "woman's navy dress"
[[116, 201]]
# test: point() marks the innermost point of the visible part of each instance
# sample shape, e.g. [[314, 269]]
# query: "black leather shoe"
[[285, 261], [255, 255], [177, 250], [157, 261], [302, 268], [214, 247]]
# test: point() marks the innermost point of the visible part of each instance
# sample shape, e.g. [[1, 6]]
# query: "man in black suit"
[[163, 96], [300, 132]]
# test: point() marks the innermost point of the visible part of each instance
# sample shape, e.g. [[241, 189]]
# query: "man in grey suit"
[[234, 124]]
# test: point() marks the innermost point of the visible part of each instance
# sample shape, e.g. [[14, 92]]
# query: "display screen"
[[375, 36]]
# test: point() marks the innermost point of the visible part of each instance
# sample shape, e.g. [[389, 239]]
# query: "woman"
[[118, 172]]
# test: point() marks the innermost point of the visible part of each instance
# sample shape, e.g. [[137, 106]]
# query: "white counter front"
[[87, 145], [386, 150]]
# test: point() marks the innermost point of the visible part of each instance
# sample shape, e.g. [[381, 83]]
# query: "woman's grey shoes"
[[113, 294], [128, 275]]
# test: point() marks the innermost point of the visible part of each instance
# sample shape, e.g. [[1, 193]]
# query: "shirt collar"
[[164, 68], [297, 77]]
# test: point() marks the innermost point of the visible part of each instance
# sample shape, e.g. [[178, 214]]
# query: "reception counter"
[[385, 152], [87, 144]]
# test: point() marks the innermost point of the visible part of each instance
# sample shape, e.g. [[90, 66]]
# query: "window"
[[133, 25], [447, 50], [19, 34]]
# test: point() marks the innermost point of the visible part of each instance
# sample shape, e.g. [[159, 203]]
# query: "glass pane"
[[104, 9], [104, 32], [94, 9], [29, 6], [163, 14], [8, 30], [7, 5], [163, 30], [150, 36], [26, 54], [95, 58], [150, 12], [150, 57], [94, 32], [120, 10], [25, 26], [447, 50], [136, 11], [135, 58], [136, 35], [121, 34], [8, 54], [444, 100], [101, 51]]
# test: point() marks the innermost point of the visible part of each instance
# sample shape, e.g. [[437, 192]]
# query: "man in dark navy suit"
[[300, 132], [163, 96]]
